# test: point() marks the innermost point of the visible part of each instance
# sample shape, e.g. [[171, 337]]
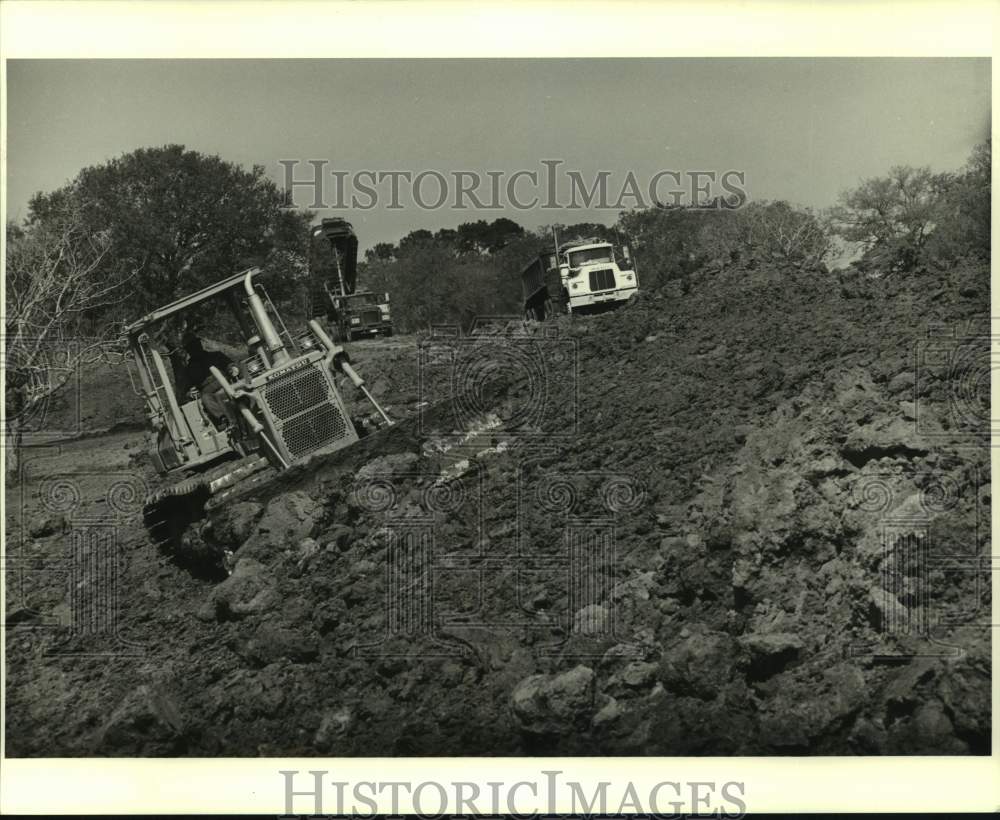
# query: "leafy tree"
[[380, 251], [447, 236], [182, 220], [963, 227], [666, 241], [674, 241], [486, 237], [582, 230], [470, 236], [891, 217], [433, 282], [500, 233], [418, 238]]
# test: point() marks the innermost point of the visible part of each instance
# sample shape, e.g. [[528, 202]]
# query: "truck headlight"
[[355, 320]]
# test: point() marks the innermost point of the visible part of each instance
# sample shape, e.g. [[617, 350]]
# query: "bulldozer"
[[282, 398]]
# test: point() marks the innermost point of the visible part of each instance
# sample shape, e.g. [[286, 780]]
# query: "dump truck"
[[578, 276], [281, 395], [333, 276]]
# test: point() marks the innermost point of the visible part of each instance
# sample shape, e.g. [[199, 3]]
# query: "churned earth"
[[746, 514]]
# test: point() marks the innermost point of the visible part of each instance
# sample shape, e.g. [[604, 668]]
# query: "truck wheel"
[[388, 332]]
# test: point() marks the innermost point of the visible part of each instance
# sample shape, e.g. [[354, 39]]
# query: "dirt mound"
[[739, 516]]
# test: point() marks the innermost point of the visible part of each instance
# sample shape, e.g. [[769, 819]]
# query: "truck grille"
[[603, 279], [371, 317], [305, 412]]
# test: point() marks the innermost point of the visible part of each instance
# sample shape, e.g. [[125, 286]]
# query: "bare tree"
[[782, 231], [58, 314]]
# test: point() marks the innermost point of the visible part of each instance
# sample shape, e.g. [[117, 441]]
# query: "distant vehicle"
[[333, 271], [579, 276], [360, 314]]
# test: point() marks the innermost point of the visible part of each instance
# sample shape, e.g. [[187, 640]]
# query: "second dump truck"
[[333, 272], [576, 277]]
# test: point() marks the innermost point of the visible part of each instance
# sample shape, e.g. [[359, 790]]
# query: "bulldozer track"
[[214, 480], [169, 510]]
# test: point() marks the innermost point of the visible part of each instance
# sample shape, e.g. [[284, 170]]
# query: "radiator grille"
[[313, 430], [371, 317], [295, 392], [305, 411], [603, 279]]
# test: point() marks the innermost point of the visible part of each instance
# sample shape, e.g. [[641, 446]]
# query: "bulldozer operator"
[[198, 376]]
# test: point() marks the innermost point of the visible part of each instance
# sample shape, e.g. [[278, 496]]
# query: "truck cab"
[[591, 277], [359, 315]]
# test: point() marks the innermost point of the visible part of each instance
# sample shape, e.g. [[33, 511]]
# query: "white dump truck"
[[579, 276]]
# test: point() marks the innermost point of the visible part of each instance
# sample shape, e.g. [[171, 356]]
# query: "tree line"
[[896, 223], [132, 234], [892, 224]]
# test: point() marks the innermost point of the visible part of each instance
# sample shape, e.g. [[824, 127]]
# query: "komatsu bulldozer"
[[282, 396]]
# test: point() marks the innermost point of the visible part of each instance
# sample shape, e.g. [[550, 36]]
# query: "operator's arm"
[[224, 363]]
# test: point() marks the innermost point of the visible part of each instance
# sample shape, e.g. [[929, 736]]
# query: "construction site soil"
[[746, 514]]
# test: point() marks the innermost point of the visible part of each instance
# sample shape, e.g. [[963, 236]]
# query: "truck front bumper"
[[370, 330], [602, 297]]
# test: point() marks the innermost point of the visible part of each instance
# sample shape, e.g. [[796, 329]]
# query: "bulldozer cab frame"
[[285, 395]]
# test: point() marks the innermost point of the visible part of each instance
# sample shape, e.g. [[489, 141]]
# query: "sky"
[[802, 130]]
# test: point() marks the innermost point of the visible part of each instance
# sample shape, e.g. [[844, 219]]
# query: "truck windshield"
[[590, 256], [362, 299]]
